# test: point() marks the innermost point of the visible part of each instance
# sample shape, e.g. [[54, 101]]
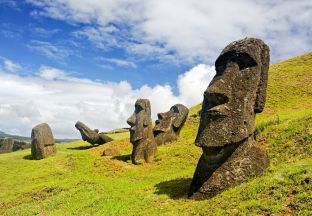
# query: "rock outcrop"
[[231, 101]]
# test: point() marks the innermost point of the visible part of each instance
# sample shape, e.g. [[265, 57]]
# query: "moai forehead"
[[143, 104], [248, 52]]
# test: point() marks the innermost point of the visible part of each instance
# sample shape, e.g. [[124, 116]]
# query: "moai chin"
[[227, 121], [169, 124], [92, 136], [141, 133]]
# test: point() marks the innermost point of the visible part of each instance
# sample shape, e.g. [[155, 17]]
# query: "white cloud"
[[43, 32], [60, 99], [10, 66], [120, 62], [51, 73], [192, 84], [192, 29], [51, 51]]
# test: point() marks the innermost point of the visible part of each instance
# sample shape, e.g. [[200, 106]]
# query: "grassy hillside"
[[79, 180]]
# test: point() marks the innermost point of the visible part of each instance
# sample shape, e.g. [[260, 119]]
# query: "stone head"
[[140, 121], [235, 95], [171, 121]]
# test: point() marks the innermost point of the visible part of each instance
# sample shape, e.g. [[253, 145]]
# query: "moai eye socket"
[[174, 109], [243, 60], [138, 108]]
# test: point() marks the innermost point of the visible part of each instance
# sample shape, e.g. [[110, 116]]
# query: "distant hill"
[[27, 139]]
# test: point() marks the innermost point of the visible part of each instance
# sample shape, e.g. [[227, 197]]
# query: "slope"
[[79, 181]]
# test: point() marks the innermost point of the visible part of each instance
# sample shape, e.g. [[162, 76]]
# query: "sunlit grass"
[[78, 180]]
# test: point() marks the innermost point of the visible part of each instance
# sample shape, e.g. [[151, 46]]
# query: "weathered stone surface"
[[110, 152], [169, 124], [42, 141], [141, 133], [6, 145], [231, 101], [92, 136]]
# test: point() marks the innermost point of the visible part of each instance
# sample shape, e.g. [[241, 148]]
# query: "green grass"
[[78, 180]]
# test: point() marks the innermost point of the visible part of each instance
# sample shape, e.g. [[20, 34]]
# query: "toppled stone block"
[[92, 136]]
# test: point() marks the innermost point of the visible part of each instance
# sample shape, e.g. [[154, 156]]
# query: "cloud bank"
[[60, 99], [191, 29]]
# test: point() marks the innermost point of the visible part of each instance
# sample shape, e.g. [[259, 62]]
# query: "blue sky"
[[33, 40], [67, 60]]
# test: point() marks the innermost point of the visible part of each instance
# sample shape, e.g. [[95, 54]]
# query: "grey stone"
[[42, 142], [169, 124], [6, 145], [231, 101], [92, 136], [141, 133]]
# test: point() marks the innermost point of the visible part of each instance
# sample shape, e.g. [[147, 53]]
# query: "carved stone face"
[[140, 121], [235, 94], [169, 123]]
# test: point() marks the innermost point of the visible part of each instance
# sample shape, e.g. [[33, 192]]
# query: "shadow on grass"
[[175, 189], [124, 158], [28, 157], [82, 147]]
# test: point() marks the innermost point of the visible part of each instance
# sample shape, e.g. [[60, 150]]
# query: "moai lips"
[[231, 101]]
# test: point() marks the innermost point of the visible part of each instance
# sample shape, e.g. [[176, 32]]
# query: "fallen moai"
[[227, 123], [169, 124], [141, 133], [42, 142], [6, 145], [92, 136]]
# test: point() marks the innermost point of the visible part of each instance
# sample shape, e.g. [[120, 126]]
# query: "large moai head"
[[227, 123], [141, 132], [169, 124], [235, 95], [42, 141]]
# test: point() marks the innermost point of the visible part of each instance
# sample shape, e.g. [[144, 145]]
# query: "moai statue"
[[169, 124], [92, 136], [6, 145], [42, 142], [227, 121], [141, 133]]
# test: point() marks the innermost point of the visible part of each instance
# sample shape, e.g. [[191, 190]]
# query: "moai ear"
[[147, 118], [261, 91]]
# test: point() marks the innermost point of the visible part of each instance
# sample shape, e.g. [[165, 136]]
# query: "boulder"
[[42, 142], [6, 145]]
